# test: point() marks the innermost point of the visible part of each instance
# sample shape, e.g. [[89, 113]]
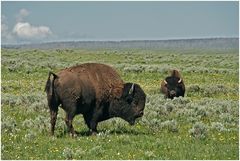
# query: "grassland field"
[[202, 125]]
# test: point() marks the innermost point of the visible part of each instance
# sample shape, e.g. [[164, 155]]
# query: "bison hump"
[[105, 80]]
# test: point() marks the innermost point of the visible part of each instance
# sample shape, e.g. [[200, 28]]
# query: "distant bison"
[[173, 86], [97, 92]]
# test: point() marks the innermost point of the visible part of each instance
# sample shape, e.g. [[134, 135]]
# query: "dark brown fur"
[[173, 88], [94, 90], [175, 73]]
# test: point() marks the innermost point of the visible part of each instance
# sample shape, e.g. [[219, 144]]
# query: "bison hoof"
[[93, 133], [73, 135]]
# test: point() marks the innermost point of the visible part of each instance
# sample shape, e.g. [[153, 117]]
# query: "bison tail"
[[50, 84], [49, 89]]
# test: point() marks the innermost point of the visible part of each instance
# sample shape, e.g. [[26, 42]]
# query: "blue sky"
[[30, 22]]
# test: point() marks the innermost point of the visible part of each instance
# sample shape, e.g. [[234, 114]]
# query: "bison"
[[173, 86], [97, 92]]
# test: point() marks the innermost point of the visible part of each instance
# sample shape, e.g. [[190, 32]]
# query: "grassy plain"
[[202, 125]]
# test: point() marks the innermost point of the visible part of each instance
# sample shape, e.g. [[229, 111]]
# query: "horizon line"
[[119, 40]]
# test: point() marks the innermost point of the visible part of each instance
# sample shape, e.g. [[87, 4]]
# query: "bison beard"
[[97, 92]]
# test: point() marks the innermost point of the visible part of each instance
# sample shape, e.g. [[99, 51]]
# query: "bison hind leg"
[[53, 114], [70, 109], [68, 121]]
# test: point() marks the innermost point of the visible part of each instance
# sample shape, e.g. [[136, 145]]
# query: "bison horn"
[[180, 80], [165, 81], [131, 89]]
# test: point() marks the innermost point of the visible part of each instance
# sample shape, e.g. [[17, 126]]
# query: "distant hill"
[[210, 43]]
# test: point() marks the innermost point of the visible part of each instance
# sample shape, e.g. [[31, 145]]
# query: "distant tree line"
[[210, 43]]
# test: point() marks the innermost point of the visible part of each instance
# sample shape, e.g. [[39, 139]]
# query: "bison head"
[[131, 104], [174, 87]]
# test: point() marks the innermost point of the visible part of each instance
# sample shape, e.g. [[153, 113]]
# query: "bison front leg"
[[92, 125], [96, 117], [53, 114], [68, 121]]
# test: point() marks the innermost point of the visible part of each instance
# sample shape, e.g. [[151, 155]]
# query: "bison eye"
[[134, 103]]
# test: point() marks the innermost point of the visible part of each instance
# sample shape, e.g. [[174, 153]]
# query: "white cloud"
[[22, 13], [4, 26], [6, 35], [4, 30], [25, 30]]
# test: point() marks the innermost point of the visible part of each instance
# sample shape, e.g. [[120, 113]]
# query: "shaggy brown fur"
[[175, 73], [106, 81]]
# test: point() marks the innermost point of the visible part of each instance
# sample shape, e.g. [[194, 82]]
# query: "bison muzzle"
[[97, 92]]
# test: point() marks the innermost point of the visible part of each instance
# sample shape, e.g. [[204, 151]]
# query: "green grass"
[[164, 132]]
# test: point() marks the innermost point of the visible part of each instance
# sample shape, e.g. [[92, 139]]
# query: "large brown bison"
[[97, 92], [173, 86]]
